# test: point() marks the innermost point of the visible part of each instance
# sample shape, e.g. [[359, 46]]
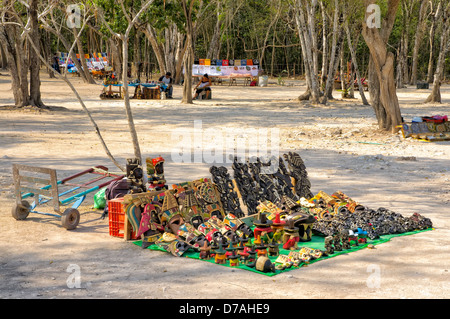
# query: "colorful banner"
[[221, 70]]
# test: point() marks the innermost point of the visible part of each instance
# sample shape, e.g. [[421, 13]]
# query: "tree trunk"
[[66, 45], [435, 96], [157, 48], [383, 66], [402, 63], [263, 47], [136, 55], [374, 91], [35, 64], [17, 63], [189, 55], [170, 46], [342, 74], [180, 60], [313, 90], [434, 20], [116, 57], [213, 50], [84, 66], [3, 59], [312, 30], [334, 56], [418, 41], [355, 65], [407, 6], [324, 46], [129, 113]]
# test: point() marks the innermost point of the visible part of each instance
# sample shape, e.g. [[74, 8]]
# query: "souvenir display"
[[283, 226]]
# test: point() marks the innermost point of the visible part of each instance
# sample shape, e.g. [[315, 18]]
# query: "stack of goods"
[[184, 217], [427, 128], [110, 80], [228, 195], [286, 226], [260, 181], [149, 93], [338, 213]]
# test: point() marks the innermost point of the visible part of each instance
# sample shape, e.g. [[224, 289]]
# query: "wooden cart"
[[24, 175]]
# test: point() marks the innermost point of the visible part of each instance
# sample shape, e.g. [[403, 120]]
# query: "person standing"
[[55, 63]]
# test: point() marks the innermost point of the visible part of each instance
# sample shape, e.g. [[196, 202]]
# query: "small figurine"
[[155, 172], [257, 240], [234, 241], [291, 237], [278, 224], [220, 257], [329, 249], [263, 225], [362, 236], [353, 238], [135, 176], [205, 251], [274, 250], [234, 259], [278, 236], [251, 260], [261, 249], [230, 250], [264, 264], [337, 242], [345, 240], [244, 255]]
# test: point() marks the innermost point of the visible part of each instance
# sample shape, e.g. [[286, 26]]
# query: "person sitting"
[[203, 85], [166, 82]]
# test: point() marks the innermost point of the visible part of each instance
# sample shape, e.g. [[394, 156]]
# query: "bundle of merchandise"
[[338, 213], [427, 128], [264, 219]]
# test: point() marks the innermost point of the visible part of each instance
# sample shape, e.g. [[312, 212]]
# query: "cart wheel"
[[70, 218], [21, 211]]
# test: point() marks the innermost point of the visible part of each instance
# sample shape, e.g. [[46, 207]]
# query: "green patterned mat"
[[317, 242]]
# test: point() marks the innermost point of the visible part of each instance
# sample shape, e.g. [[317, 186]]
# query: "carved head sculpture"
[[170, 215], [155, 172]]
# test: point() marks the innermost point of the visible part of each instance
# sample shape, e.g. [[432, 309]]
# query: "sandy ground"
[[342, 149]]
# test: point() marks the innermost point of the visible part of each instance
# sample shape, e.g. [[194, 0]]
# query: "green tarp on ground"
[[317, 242]]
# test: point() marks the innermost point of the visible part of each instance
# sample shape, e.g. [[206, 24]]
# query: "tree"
[[50, 24], [20, 59], [26, 30], [381, 69], [35, 64], [335, 52], [124, 37], [435, 96], [418, 40], [162, 25], [355, 64], [307, 40], [188, 7], [436, 12]]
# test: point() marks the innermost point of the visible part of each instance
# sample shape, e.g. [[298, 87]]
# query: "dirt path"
[[341, 147]]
